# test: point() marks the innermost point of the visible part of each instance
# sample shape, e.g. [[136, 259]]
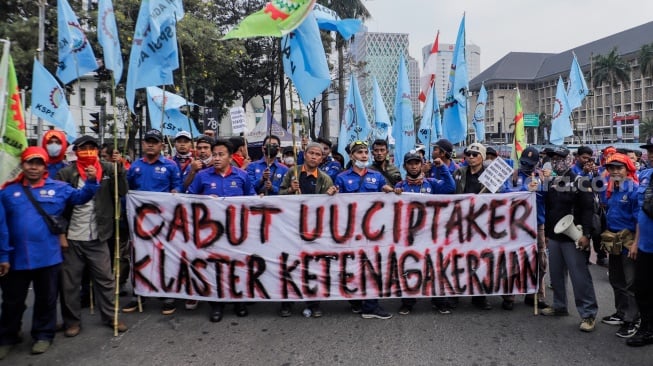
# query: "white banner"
[[319, 247], [238, 123]]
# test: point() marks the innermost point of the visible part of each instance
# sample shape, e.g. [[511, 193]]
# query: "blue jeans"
[[14, 292], [563, 257]]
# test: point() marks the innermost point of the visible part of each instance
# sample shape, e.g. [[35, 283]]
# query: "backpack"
[[647, 206]]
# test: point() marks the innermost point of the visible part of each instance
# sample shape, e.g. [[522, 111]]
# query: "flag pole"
[[116, 210], [184, 84], [292, 130]]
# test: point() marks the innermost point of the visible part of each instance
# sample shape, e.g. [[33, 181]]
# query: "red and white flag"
[[428, 76]]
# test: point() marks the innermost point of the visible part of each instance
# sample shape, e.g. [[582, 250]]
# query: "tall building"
[[607, 115], [444, 59], [377, 55]]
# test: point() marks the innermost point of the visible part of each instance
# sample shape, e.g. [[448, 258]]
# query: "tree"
[[645, 60], [646, 129], [611, 69]]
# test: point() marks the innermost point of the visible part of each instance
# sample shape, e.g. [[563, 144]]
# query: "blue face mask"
[[53, 149]]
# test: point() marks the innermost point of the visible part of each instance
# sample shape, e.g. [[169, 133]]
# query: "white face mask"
[[53, 149], [289, 160], [361, 164]]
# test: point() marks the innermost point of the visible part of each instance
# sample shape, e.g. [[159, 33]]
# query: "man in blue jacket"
[[266, 174], [360, 179], [33, 252]]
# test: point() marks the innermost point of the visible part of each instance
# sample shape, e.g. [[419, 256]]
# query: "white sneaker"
[[191, 304]]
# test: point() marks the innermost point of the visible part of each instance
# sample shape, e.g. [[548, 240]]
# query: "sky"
[[503, 26]]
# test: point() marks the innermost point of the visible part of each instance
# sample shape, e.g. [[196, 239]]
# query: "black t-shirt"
[[472, 185], [307, 183]]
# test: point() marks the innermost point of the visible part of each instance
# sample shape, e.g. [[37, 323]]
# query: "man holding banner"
[[311, 181], [355, 180], [222, 181]]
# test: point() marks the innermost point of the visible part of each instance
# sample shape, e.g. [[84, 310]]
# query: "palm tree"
[[645, 60], [646, 129], [345, 9], [610, 69]]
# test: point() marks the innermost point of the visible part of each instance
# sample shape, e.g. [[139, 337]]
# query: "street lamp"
[[503, 118]]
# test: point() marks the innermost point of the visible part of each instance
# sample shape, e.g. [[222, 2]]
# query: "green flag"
[[12, 134], [276, 19]]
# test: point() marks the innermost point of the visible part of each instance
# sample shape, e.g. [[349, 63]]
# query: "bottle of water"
[[307, 313]]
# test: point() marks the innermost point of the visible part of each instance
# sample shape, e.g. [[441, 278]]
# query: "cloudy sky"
[[499, 27]]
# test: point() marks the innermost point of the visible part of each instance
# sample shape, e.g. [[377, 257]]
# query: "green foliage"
[[646, 60], [610, 69]]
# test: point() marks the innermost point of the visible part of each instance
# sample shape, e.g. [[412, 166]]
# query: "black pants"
[[644, 288], [14, 292]]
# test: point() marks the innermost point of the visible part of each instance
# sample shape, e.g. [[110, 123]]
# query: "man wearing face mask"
[[288, 158], [360, 179], [266, 174], [91, 225], [565, 195], [55, 143]]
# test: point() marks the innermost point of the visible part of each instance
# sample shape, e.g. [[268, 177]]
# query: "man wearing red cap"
[[33, 253]]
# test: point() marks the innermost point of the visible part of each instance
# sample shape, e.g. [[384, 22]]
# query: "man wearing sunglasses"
[[358, 179], [466, 178], [266, 174]]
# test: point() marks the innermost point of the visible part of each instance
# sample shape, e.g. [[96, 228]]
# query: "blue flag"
[[479, 114], [304, 60], [354, 126], [154, 55], [76, 56], [329, 20], [381, 118], [107, 36], [577, 86], [560, 123], [430, 128], [403, 129], [49, 101], [455, 107], [164, 111]]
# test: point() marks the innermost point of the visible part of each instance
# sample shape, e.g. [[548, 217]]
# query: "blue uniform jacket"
[[522, 185], [350, 182], [622, 206], [53, 169], [645, 242], [435, 173], [31, 245], [445, 185], [234, 183], [255, 173], [161, 176], [331, 167]]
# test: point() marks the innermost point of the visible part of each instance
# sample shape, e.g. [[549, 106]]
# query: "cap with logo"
[[530, 156], [184, 134], [357, 145], [153, 135]]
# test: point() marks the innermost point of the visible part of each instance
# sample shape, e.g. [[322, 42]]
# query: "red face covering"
[[86, 158]]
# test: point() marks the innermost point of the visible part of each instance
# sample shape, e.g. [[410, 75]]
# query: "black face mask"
[[271, 150]]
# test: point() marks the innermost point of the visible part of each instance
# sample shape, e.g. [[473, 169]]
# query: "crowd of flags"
[[154, 58]]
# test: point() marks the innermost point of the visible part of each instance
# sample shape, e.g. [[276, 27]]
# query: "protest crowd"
[[605, 191]]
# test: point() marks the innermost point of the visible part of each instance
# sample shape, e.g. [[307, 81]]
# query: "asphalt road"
[[466, 337]]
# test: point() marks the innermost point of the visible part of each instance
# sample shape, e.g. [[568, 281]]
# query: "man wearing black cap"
[[415, 182], [154, 173], [90, 226], [443, 150], [567, 195]]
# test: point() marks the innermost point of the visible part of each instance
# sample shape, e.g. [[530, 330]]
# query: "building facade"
[[607, 115], [377, 55]]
